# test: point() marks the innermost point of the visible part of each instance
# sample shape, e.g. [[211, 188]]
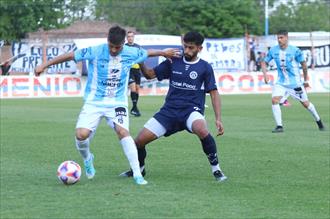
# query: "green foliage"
[[303, 17], [270, 175], [213, 18], [19, 17]]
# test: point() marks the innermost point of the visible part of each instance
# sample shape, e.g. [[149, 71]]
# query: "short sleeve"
[[269, 56], [299, 56], [163, 70], [210, 83], [142, 55], [84, 54]]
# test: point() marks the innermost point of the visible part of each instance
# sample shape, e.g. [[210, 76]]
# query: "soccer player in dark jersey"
[[190, 79], [134, 77]]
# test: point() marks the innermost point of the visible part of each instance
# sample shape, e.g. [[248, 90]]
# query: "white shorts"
[[298, 93], [159, 130], [90, 117]]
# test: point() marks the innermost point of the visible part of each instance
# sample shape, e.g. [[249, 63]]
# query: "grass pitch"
[[282, 175]]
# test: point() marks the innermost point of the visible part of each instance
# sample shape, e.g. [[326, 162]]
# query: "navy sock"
[[210, 149], [142, 154], [134, 97]]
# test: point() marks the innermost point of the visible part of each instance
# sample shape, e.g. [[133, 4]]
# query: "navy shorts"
[[134, 76], [174, 120]]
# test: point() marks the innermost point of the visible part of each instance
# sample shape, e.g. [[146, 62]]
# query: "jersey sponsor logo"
[[183, 85], [193, 75], [187, 67], [177, 72]]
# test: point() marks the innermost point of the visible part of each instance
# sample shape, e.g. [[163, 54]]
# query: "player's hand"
[[266, 79], [38, 70], [220, 128], [306, 84], [172, 52]]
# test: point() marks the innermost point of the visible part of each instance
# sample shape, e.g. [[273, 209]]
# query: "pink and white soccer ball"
[[69, 172]]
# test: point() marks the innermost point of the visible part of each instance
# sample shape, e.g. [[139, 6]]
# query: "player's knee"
[[305, 104], [82, 134], [275, 101], [203, 133], [122, 133]]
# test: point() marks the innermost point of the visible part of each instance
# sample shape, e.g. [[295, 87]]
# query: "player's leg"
[[196, 124], [117, 118], [301, 95], [137, 77], [87, 123], [284, 100], [277, 93], [134, 92], [151, 131]]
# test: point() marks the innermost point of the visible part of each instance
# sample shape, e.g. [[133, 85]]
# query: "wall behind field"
[[73, 86]]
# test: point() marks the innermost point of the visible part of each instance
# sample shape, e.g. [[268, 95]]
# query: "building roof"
[[78, 29]]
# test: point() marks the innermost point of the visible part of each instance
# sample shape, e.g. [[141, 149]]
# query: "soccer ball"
[[69, 172]]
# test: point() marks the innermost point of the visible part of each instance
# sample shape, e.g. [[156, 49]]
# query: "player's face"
[[190, 51], [115, 49], [130, 38], [282, 40]]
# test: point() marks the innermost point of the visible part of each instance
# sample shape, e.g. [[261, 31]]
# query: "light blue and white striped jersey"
[[107, 81], [287, 63]]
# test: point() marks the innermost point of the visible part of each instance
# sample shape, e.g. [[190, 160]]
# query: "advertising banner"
[[27, 56]]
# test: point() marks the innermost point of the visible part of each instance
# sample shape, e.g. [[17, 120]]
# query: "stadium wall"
[[73, 86]]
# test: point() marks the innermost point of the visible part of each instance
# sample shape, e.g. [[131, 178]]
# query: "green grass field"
[[283, 175]]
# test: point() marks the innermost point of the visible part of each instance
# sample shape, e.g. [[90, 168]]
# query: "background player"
[[105, 94], [134, 77], [287, 59], [190, 79]]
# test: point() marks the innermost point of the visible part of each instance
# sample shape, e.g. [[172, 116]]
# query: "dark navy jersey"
[[189, 82]]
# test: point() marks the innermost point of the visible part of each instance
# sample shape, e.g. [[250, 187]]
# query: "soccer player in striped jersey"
[[287, 59], [106, 93], [190, 79]]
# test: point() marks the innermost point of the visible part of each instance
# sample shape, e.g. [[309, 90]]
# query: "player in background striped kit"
[[287, 59]]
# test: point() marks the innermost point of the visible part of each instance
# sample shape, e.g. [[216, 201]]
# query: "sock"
[[134, 97], [83, 148], [277, 114], [142, 153], [130, 151], [210, 149], [312, 110]]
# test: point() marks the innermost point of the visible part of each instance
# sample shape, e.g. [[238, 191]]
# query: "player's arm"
[[147, 72], [305, 73], [264, 71], [59, 59], [168, 53], [216, 103]]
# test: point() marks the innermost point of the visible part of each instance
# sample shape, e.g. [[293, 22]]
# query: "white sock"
[[215, 168], [83, 148], [277, 114], [130, 151], [312, 110]]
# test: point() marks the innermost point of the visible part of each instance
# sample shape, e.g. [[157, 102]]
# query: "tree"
[[306, 16], [19, 17], [213, 18]]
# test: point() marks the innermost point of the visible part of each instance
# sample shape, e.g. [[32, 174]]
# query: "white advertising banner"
[[73, 86], [224, 54], [27, 56]]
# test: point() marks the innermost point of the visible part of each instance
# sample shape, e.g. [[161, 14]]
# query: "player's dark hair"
[[282, 32], [193, 37], [116, 35]]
